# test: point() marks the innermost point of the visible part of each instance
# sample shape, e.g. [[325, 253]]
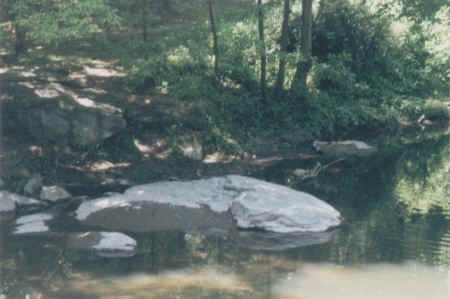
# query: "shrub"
[[344, 28]]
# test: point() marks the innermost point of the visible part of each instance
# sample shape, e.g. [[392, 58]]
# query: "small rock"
[[54, 193], [7, 206], [21, 201], [348, 147], [103, 244], [32, 224], [34, 185]]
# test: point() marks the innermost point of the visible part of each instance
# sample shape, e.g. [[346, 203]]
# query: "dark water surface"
[[395, 244]]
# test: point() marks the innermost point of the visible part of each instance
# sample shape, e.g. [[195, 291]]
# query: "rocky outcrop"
[[55, 114], [76, 125], [210, 204]]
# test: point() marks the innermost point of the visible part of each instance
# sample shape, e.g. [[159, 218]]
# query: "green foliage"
[[344, 28], [365, 72], [413, 107], [438, 45], [52, 22], [421, 9], [335, 76]]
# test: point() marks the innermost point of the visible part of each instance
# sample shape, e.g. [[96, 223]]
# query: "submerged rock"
[[270, 241], [103, 244], [215, 203], [348, 147]]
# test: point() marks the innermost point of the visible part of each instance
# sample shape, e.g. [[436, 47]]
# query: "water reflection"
[[387, 281], [204, 282], [422, 180]]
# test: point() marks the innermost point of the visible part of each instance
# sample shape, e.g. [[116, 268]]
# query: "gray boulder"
[[54, 193], [215, 203], [103, 244], [92, 127], [277, 208], [80, 126], [69, 119]]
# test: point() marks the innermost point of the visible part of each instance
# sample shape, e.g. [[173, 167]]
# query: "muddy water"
[[395, 245]]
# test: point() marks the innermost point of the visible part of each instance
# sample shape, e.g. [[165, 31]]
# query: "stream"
[[395, 243]]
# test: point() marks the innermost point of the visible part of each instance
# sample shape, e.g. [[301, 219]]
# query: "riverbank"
[[164, 138]]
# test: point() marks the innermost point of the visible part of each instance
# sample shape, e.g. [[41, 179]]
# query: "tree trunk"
[[305, 62], [144, 20], [212, 18], [167, 5], [283, 51], [262, 50], [19, 47]]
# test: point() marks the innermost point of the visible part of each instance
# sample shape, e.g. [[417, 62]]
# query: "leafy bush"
[[344, 28]]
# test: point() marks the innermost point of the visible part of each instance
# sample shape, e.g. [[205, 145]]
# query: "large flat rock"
[[212, 204]]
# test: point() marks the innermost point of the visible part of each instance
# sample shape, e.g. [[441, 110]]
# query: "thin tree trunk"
[[262, 50], [19, 47], [167, 5], [212, 19], [283, 50], [144, 21], [305, 62]]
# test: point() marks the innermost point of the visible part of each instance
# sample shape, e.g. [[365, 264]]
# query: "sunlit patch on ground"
[[217, 157], [153, 147], [387, 281], [106, 165], [173, 284], [102, 69]]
